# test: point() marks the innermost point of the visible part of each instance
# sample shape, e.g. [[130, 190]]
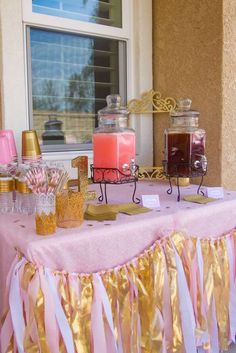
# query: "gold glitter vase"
[[70, 209], [45, 217]]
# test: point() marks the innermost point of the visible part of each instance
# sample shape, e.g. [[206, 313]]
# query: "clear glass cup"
[[6, 194], [25, 199]]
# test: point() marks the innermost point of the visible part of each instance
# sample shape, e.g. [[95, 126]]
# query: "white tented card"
[[215, 192], [151, 201]]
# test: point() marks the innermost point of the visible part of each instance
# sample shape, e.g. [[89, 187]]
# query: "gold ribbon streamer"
[[124, 307], [144, 283], [39, 315], [177, 341], [221, 289], [208, 283], [158, 290], [10, 348], [135, 319], [28, 274], [82, 322]]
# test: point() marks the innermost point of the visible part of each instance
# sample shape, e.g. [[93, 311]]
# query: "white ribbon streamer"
[[107, 308], [98, 330], [60, 315], [16, 308], [186, 308]]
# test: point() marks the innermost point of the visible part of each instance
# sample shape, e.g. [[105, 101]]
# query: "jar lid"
[[6, 184], [113, 106], [184, 115]]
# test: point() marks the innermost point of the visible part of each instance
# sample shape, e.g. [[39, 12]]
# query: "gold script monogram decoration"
[[151, 102], [151, 173]]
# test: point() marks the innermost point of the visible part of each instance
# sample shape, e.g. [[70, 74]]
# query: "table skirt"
[[179, 295]]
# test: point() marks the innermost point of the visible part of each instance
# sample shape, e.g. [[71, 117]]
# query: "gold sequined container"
[[45, 217], [69, 209]]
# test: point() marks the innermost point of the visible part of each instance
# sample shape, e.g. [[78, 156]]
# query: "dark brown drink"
[[184, 154]]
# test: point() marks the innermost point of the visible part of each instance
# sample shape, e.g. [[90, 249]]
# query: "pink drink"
[[112, 150]]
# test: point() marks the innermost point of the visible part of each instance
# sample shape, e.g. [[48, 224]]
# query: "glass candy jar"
[[185, 143], [6, 194], [113, 141]]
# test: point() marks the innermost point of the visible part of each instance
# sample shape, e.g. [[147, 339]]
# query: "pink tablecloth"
[[101, 245]]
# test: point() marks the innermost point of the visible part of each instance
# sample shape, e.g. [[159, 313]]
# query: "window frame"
[[122, 83], [15, 15]]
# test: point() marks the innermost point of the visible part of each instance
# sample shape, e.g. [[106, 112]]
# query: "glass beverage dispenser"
[[113, 142], [185, 143]]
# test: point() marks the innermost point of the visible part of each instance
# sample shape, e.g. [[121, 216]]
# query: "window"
[[71, 75], [130, 38], [105, 12]]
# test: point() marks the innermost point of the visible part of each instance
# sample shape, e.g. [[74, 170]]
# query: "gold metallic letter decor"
[[151, 102], [82, 164]]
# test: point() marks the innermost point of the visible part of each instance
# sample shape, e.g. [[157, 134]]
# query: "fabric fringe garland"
[[177, 296]]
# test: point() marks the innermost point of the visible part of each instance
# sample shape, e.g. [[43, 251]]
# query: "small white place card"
[[151, 201], [215, 192]]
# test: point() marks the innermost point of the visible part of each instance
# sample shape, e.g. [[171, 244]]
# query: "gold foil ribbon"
[[208, 283], [145, 298], [39, 316], [158, 289], [10, 348], [177, 341], [81, 318], [221, 290], [124, 307]]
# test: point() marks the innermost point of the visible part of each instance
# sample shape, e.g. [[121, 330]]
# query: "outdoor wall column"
[[194, 46]]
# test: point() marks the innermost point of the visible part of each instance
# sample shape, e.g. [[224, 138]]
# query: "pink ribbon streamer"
[[16, 307], [7, 328], [101, 304]]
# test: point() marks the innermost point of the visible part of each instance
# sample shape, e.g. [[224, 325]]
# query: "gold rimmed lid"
[[30, 144], [6, 184], [22, 187]]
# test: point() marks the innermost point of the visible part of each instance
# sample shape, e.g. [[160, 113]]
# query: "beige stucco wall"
[[229, 95], [188, 61]]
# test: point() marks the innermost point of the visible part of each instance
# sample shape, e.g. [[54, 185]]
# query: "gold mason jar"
[[45, 217], [69, 209]]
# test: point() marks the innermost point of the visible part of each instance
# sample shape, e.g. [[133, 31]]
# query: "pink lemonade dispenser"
[[113, 142]]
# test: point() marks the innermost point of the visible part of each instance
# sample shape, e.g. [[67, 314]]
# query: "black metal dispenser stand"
[[105, 176], [193, 172]]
